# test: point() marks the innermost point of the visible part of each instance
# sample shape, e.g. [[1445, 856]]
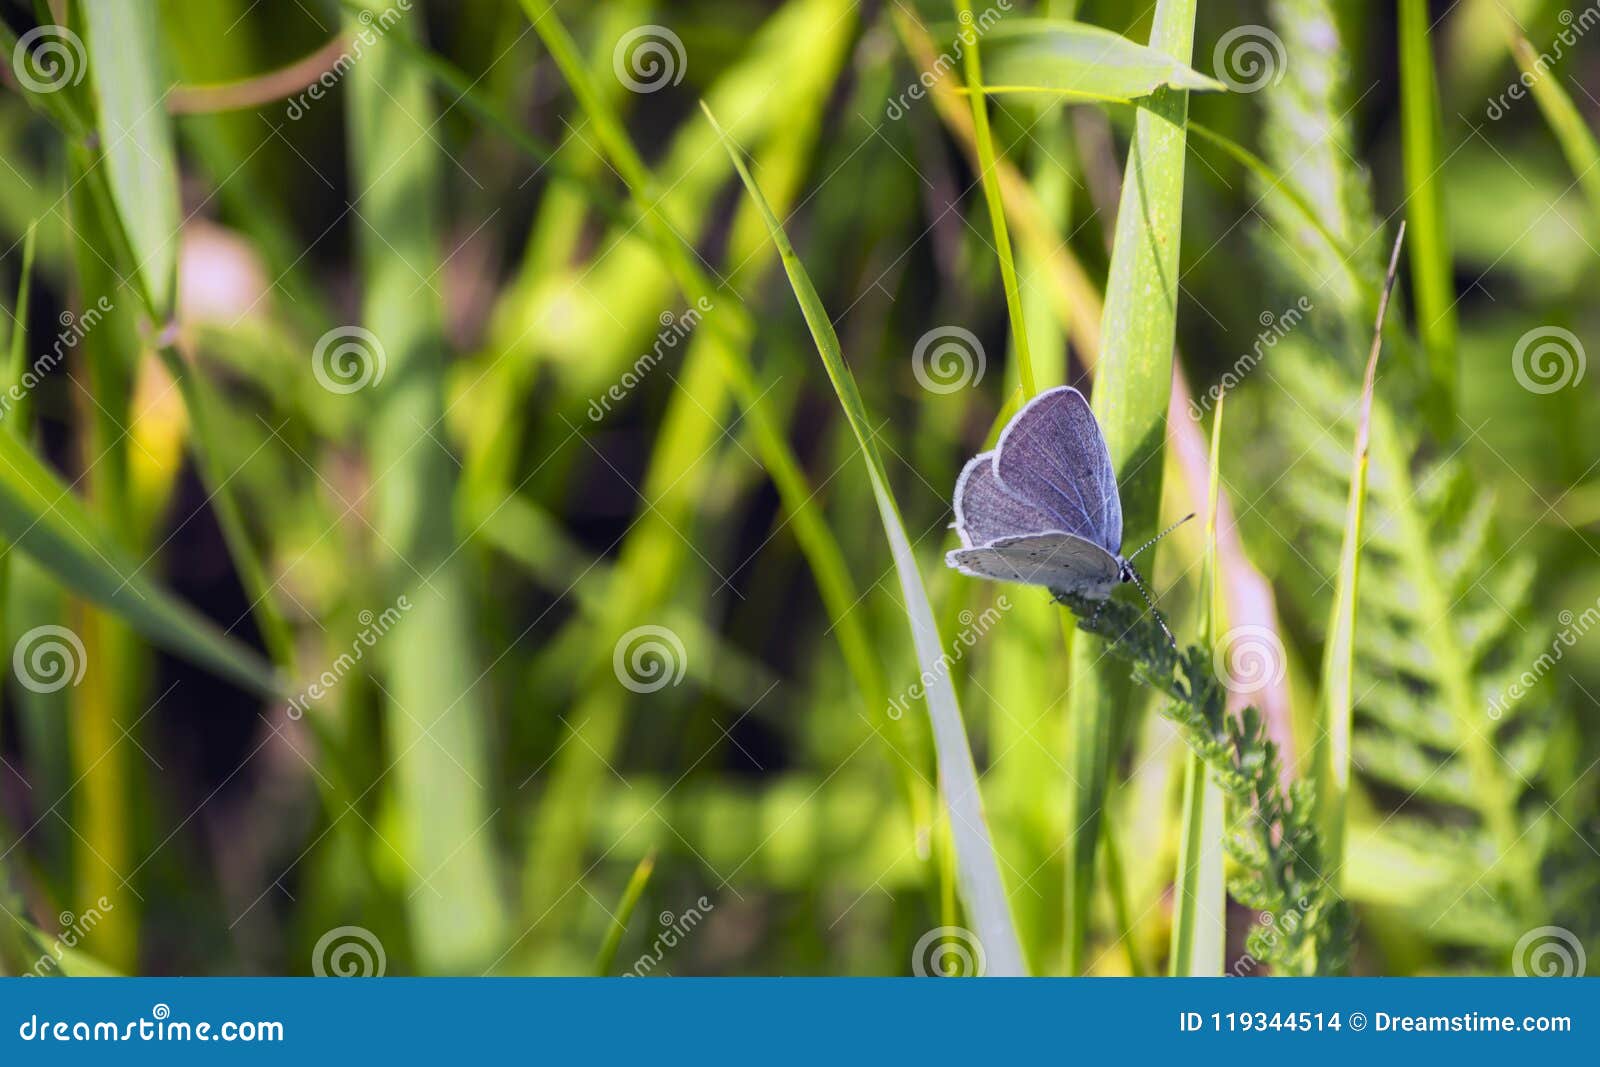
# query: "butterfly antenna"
[[1138, 583], [1162, 534]]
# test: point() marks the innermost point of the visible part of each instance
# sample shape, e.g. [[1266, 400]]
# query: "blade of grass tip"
[[136, 132], [1133, 384], [1432, 281], [968, 36], [1566, 122], [1199, 926], [1332, 765], [606, 958], [977, 868], [433, 708]]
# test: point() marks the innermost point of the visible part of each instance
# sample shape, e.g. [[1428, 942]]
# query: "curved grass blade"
[[1338, 665], [1566, 121], [1077, 59], [136, 132], [991, 197], [606, 958], [42, 517], [977, 869]]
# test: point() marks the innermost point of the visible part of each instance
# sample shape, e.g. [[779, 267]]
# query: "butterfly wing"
[[985, 512], [1053, 458], [1058, 561]]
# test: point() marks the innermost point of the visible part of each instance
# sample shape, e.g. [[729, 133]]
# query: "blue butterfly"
[[1043, 507]]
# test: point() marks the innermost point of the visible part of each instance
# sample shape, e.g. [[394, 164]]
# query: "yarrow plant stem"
[[1272, 830]]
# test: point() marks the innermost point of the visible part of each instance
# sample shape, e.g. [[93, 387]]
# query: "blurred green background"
[[410, 568]]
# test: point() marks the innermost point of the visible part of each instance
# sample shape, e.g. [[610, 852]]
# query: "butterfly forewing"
[[1053, 458]]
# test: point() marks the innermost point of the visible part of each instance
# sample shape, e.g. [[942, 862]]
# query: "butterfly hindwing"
[[986, 512], [1058, 561]]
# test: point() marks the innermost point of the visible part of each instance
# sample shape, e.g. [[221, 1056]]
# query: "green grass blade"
[[606, 958], [1133, 384], [991, 197], [1338, 665], [1199, 925], [1566, 121], [436, 719], [136, 134], [977, 869], [41, 516], [1431, 267], [1077, 59]]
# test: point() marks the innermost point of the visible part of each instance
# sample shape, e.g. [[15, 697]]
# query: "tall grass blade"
[[1432, 281], [436, 721], [991, 197], [978, 871], [1338, 664], [1133, 384], [136, 133], [1199, 926]]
